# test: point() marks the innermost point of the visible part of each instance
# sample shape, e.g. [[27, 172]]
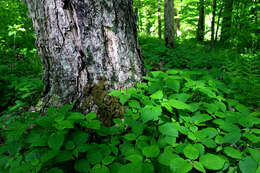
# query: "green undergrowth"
[[177, 121], [20, 66], [238, 71]]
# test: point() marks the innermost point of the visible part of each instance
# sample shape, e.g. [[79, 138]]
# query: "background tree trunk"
[[227, 20], [214, 6], [87, 48], [159, 20], [218, 23], [201, 22], [169, 23]]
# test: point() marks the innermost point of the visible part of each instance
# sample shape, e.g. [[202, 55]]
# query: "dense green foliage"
[[178, 121], [197, 110], [20, 68]]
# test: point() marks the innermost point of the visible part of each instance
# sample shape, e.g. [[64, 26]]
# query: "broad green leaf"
[[150, 112], [208, 92], [179, 165], [76, 116], [183, 97], [134, 104], [151, 151], [199, 118], [199, 166], [210, 132], [66, 124], [174, 71], [91, 116], [169, 129], [212, 162], [50, 154], [200, 148], [231, 152], [251, 137], [210, 143], [100, 169], [255, 155], [178, 104], [93, 124], [258, 169], [108, 160], [219, 140], [64, 156], [166, 158], [82, 166], [191, 152], [135, 167], [115, 93], [55, 141], [14, 147], [173, 84], [94, 157], [130, 136], [124, 98], [134, 158], [232, 137], [248, 165], [157, 95]]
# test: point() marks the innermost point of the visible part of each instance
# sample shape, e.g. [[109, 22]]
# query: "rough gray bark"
[[87, 48], [169, 23], [159, 20], [201, 21]]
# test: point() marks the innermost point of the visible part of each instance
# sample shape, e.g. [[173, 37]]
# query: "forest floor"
[[196, 110], [240, 72]]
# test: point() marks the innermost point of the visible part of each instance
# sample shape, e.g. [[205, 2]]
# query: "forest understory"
[[196, 110]]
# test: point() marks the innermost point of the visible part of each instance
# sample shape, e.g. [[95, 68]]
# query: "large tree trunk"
[[159, 20], [201, 21], [87, 48], [227, 20], [169, 23]]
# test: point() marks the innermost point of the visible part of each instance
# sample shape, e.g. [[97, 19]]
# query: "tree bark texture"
[[227, 20], [169, 23], [214, 6], [159, 20], [201, 22], [88, 48]]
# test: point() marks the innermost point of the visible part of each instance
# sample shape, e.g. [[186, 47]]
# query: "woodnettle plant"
[[175, 122]]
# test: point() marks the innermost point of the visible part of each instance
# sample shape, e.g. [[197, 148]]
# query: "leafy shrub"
[[176, 122]]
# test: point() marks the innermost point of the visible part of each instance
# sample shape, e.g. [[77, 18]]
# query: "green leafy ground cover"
[[177, 121], [196, 111]]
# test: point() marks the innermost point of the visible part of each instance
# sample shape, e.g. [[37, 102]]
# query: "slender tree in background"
[[87, 48], [218, 23], [227, 20], [169, 23], [159, 20], [201, 21], [214, 6]]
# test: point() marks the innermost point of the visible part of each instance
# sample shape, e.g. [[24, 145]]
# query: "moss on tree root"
[[108, 107]]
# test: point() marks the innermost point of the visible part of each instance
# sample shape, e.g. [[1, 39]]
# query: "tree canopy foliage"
[[196, 110]]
